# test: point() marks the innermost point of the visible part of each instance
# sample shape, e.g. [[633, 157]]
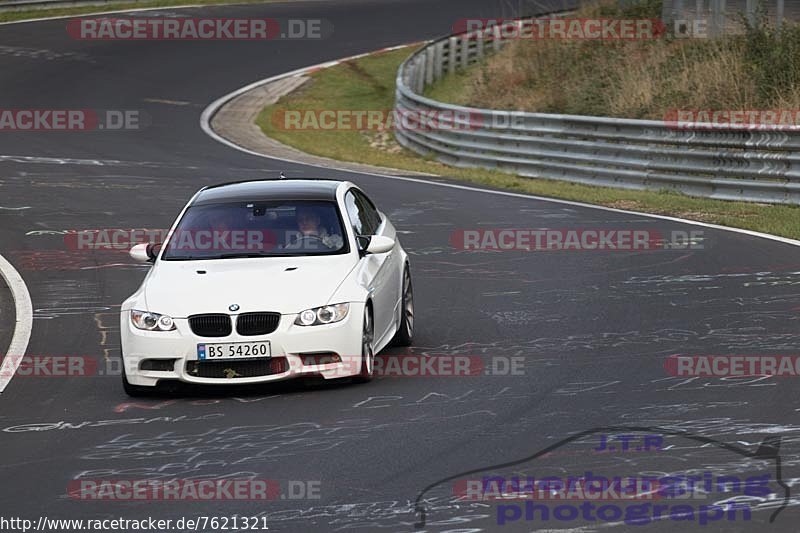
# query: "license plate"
[[236, 350]]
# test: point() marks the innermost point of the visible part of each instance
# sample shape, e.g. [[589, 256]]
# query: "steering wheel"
[[308, 241]]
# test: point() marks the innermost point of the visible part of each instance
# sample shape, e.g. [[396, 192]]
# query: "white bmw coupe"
[[263, 281]]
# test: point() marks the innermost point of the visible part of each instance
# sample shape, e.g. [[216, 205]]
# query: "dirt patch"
[[356, 69], [625, 204], [383, 141]]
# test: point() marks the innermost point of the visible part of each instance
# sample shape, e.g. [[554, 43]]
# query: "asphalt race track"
[[591, 330]]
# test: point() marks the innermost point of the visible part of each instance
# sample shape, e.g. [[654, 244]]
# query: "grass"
[[368, 84], [25, 14], [755, 68]]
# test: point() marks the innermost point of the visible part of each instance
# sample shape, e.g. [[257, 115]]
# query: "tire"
[[134, 391], [405, 331], [367, 370]]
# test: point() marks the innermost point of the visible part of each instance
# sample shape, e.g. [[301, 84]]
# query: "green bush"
[[758, 68], [631, 9], [773, 59]]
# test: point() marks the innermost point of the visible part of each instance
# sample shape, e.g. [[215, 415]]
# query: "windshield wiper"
[[239, 255], [236, 255]]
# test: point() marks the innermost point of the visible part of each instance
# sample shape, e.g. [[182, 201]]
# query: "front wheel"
[[367, 349], [405, 331]]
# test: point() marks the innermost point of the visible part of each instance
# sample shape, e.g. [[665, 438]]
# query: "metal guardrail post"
[[429, 60], [678, 10], [750, 7], [452, 57], [666, 11], [496, 38], [464, 41], [716, 20], [438, 60]]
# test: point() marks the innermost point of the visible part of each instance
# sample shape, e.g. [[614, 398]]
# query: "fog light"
[[322, 358], [278, 365], [158, 365]]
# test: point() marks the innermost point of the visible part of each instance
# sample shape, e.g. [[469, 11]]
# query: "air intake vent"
[[210, 325], [158, 365], [250, 324], [237, 369]]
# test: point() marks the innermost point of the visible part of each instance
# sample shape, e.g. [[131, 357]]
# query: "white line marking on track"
[[24, 322], [136, 9], [211, 110], [79, 15]]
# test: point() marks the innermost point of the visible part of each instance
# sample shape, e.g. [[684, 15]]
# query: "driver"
[[308, 222], [221, 220]]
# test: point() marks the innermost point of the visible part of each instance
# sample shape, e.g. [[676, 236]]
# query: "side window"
[[362, 213], [354, 214], [371, 215]]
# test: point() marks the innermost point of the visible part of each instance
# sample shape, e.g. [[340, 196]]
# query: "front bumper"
[[289, 341]]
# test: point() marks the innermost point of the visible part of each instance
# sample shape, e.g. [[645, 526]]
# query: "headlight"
[[322, 315], [151, 321]]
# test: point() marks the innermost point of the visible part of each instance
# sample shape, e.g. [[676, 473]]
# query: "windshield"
[[257, 229]]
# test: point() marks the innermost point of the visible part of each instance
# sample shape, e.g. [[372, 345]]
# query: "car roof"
[[284, 189]]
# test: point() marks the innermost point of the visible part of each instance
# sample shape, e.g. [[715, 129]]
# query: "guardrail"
[[757, 166]]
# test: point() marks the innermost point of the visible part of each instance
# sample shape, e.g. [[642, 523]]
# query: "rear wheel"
[[405, 331], [367, 349]]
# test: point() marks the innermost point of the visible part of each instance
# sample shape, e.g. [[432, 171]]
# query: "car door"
[[392, 269], [379, 276]]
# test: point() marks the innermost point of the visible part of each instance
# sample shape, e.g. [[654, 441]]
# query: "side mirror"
[[145, 252], [379, 245], [362, 241]]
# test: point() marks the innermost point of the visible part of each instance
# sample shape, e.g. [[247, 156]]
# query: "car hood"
[[276, 284]]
